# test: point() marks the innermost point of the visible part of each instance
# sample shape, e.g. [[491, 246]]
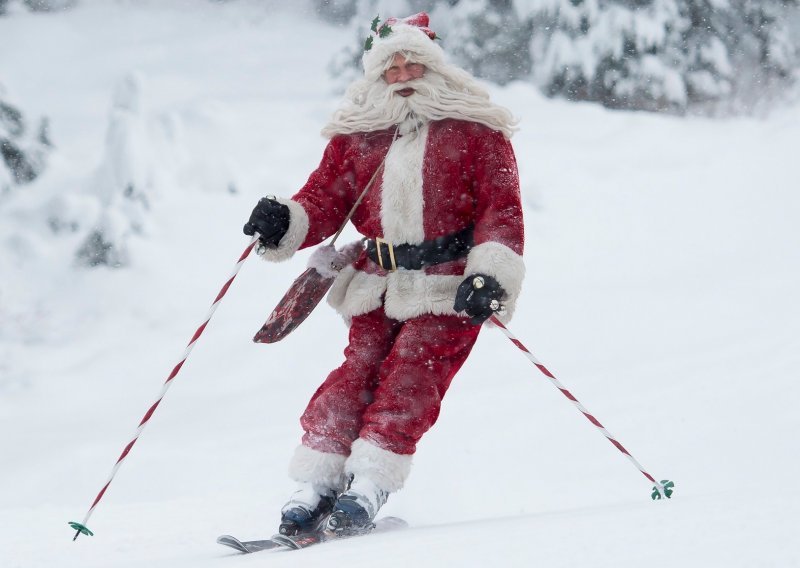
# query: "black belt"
[[416, 257]]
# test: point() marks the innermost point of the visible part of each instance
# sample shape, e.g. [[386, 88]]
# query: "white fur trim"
[[404, 294], [401, 189], [355, 292], [328, 261], [404, 38], [497, 260], [320, 468], [294, 237], [387, 470], [322, 260], [411, 293]]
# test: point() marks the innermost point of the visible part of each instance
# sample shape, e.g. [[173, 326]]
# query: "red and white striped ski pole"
[[661, 488], [80, 528]]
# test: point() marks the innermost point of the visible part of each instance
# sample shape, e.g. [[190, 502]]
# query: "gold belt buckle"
[[378, 242]]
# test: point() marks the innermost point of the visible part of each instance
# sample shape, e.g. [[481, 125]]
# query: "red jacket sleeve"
[[320, 207], [326, 196], [499, 227]]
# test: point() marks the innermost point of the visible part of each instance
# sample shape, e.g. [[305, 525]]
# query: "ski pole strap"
[[660, 489]]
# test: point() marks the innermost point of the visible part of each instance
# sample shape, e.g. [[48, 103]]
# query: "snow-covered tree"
[[618, 52], [49, 5], [122, 183], [487, 37], [662, 54], [335, 11], [38, 5], [5, 180], [759, 43], [23, 149]]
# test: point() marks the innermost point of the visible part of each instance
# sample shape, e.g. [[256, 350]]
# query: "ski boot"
[[307, 510], [355, 509]]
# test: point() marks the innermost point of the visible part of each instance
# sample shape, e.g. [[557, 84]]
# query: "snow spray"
[[662, 489], [81, 528]]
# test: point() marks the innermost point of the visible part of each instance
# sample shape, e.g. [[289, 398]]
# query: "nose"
[[404, 76]]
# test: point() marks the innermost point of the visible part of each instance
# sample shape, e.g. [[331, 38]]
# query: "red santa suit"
[[439, 178], [406, 341]]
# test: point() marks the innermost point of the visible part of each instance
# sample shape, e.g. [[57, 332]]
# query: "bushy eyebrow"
[[409, 56], [408, 64]]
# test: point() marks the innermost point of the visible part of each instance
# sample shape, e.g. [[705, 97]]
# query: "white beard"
[[438, 96]]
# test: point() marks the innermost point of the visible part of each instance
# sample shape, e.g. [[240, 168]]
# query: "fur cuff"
[[320, 468], [497, 260], [328, 261], [387, 470], [294, 237]]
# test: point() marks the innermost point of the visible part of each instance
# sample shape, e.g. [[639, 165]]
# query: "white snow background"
[[662, 289]]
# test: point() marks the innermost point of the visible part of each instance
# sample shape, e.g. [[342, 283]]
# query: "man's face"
[[401, 71]]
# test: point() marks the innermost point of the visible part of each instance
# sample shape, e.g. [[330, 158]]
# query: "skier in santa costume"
[[444, 230]]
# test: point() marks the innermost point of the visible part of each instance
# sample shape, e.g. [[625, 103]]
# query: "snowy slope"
[[662, 258]]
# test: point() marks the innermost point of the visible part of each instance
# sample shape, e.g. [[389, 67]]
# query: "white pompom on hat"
[[407, 35]]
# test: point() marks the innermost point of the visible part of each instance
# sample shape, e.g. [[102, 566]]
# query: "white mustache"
[[414, 84]]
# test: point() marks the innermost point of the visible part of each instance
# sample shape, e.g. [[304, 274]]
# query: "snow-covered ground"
[[662, 290]]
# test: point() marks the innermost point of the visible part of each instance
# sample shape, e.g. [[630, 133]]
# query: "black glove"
[[270, 220], [479, 296]]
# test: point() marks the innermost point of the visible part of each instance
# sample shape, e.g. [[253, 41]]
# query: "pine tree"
[[488, 38], [663, 54], [23, 150], [49, 5], [335, 11], [122, 183]]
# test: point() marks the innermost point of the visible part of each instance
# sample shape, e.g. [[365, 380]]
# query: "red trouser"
[[390, 387]]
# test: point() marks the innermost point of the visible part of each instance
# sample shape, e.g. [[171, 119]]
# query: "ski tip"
[[393, 522], [232, 542], [663, 490], [79, 530]]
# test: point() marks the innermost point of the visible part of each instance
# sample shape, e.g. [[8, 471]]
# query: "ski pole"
[[81, 528], [662, 489]]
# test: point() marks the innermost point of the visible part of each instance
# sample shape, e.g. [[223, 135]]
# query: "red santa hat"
[[408, 35]]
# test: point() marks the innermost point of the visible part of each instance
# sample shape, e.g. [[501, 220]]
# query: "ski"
[[247, 546], [297, 542]]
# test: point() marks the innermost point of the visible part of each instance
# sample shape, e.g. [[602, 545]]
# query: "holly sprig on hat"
[[381, 31]]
